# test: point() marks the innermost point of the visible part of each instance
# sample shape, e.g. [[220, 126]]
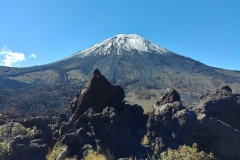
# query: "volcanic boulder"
[[209, 125], [22, 148], [162, 129], [169, 96], [221, 104]]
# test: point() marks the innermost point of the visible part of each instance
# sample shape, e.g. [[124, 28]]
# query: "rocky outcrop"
[[103, 121], [44, 130], [110, 131], [162, 129], [210, 124], [22, 148], [221, 104], [29, 137], [169, 96], [97, 93]]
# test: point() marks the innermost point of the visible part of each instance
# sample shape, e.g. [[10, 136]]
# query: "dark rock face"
[[221, 104], [110, 132], [213, 124], [102, 121], [161, 125], [97, 93]]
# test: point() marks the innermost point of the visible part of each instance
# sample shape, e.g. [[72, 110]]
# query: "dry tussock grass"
[[55, 151], [92, 155], [145, 140]]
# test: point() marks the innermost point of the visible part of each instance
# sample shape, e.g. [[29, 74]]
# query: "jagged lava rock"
[[22, 148], [221, 104], [110, 132], [97, 93], [210, 124], [160, 122], [169, 96], [103, 121]]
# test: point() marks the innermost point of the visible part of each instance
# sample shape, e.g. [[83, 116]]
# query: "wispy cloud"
[[33, 56], [10, 58]]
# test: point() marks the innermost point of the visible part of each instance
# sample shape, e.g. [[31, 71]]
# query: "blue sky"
[[40, 31]]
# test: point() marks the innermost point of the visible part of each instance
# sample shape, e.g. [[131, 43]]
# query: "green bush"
[[4, 148], [9, 131]]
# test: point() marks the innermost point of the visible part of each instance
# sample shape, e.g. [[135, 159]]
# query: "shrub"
[[4, 149], [9, 131], [31, 132], [185, 153]]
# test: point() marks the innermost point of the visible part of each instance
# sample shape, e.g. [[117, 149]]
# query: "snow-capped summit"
[[122, 44]]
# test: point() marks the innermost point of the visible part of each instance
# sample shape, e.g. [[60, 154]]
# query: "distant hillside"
[[141, 67]]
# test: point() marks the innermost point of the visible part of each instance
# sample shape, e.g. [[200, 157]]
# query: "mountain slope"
[[141, 67]]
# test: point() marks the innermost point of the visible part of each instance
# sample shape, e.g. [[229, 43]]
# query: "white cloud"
[[10, 58], [33, 56]]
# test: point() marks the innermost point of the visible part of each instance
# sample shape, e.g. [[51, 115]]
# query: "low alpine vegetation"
[[11, 130], [4, 148], [185, 153]]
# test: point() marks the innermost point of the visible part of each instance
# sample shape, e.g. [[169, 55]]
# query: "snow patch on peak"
[[128, 36], [122, 44]]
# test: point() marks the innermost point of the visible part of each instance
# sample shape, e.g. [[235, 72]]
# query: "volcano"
[[143, 68]]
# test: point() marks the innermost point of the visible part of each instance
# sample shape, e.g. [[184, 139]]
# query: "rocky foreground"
[[103, 122]]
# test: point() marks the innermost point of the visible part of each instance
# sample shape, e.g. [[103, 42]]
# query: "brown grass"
[[93, 155], [145, 140], [54, 152]]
